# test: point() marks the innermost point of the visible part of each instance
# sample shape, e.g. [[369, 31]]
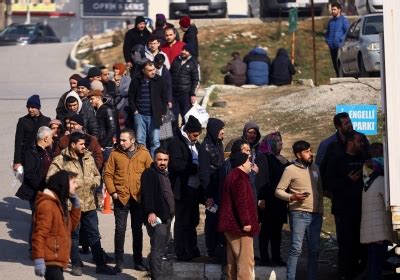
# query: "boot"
[[76, 270], [98, 256]]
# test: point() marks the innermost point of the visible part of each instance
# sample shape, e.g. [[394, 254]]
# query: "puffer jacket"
[[51, 237], [106, 119], [134, 37], [185, 77], [86, 110], [88, 176], [190, 37], [122, 174], [337, 27], [258, 64]]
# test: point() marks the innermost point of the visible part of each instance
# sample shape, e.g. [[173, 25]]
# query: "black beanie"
[[237, 159], [139, 19], [93, 72], [192, 125], [33, 102], [78, 119], [85, 82]]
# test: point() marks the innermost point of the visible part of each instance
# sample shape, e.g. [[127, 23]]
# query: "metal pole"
[[314, 50], [28, 12]]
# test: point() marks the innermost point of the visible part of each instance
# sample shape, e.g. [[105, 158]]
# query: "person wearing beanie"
[[238, 219], [211, 158], [190, 35], [73, 83], [185, 80], [94, 73], [183, 170], [135, 36], [27, 127]]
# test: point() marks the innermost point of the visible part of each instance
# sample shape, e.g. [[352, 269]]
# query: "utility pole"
[[313, 39]]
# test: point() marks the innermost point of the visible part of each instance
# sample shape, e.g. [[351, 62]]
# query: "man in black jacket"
[[138, 35], [37, 160], [159, 207], [190, 35], [185, 79], [148, 100], [27, 128], [183, 167], [211, 158], [105, 116]]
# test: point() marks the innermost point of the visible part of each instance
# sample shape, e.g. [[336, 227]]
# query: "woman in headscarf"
[[273, 213], [282, 69]]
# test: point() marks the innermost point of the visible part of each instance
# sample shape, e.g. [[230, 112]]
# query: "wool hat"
[[189, 48], [237, 159], [192, 125], [85, 82], [95, 92], [139, 19], [184, 22], [33, 102], [55, 121], [78, 119], [75, 77], [94, 72], [160, 17], [97, 85]]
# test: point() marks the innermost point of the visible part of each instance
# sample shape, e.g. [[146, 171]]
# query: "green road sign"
[[293, 20]]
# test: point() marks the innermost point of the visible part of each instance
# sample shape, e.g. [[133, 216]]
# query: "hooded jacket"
[[190, 37], [150, 56], [258, 64], [185, 77], [51, 236], [88, 175], [122, 174], [86, 110], [281, 69], [246, 127], [107, 121], [211, 158], [134, 37]]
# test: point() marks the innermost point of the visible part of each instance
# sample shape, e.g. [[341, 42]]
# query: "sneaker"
[[140, 267], [76, 270], [105, 269]]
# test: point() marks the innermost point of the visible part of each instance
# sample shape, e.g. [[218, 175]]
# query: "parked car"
[[23, 34], [197, 8], [359, 54], [364, 7], [270, 8]]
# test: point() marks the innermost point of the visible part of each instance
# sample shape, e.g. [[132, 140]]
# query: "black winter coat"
[[25, 134], [134, 37], [152, 195], [190, 37], [106, 119], [281, 69], [158, 95], [33, 180], [180, 165], [110, 92], [185, 77], [89, 118]]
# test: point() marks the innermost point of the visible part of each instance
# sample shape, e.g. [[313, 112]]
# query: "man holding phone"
[[344, 174], [301, 186]]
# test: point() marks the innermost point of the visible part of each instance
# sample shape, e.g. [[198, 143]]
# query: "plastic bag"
[[199, 113]]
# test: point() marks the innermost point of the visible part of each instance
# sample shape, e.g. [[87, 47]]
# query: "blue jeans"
[[147, 132], [302, 223]]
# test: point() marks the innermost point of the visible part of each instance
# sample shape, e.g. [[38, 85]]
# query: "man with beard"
[[211, 158], [301, 186], [122, 173], [159, 207], [27, 128], [172, 48], [344, 174], [77, 159]]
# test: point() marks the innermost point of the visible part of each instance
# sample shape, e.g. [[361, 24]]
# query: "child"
[[376, 226], [53, 224]]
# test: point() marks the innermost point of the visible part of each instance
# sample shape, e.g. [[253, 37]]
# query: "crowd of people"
[[107, 136]]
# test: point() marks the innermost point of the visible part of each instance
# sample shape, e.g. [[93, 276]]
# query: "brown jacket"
[[122, 174], [93, 147], [88, 176], [51, 237]]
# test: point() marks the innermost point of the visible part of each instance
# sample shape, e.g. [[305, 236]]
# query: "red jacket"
[[237, 205], [172, 51]]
